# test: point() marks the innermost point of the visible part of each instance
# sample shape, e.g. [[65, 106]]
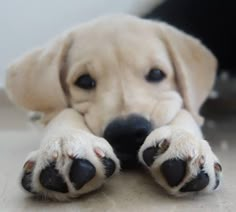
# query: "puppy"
[[116, 92]]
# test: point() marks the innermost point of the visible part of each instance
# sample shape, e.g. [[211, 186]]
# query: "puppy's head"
[[124, 75]]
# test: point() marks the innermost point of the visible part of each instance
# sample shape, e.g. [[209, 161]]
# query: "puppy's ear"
[[34, 81], [195, 67]]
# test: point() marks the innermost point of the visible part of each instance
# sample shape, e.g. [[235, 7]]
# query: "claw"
[[218, 167], [163, 146], [55, 155], [28, 166], [27, 175], [99, 152], [201, 162]]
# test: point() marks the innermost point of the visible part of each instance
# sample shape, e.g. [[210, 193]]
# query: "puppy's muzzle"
[[126, 135]]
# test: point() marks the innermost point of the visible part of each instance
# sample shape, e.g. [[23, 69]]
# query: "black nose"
[[126, 135]]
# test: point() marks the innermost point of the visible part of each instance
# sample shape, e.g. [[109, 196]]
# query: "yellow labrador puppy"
[[116, 92]]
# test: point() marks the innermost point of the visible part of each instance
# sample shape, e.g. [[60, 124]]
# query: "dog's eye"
[[155, 75], [86, 82]]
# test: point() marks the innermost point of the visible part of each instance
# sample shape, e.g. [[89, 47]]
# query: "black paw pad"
[[109, 165], [197, 184], [174, 170], [217, 183], [150, 153], [26, 180], [51, 179], [81, 172], [218, 168]]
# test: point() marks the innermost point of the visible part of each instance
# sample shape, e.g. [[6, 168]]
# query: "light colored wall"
[[25, 24]]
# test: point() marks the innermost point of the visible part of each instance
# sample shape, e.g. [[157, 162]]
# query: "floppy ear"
[[33, 81], [195, 67]]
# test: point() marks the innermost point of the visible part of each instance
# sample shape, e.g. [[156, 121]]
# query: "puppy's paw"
[[179, 162], [69, 166]]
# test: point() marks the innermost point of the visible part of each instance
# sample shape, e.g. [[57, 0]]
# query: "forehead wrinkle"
[[123, 74], [118, 66]]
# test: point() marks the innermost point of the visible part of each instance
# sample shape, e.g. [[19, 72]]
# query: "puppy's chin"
[[128, 160]]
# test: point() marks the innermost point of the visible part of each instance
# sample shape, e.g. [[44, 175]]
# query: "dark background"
[[212, 21]]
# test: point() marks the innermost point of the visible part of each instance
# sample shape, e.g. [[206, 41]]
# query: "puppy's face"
[[124, 75], [116, 72], [121, 79]]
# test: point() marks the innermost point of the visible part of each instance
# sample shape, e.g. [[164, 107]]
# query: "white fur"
[[186, 144], [182, 145], [58, 147]]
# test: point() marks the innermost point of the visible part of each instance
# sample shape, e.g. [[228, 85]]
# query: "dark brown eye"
[[155, 75], [86, 82]]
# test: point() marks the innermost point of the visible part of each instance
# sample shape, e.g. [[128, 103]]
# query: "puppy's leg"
[[179, 159], [71, 161]]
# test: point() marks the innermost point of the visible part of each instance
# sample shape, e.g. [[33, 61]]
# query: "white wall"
[[25, 24]]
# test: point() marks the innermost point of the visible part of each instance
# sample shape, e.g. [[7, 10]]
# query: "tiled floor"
[[129, 191]]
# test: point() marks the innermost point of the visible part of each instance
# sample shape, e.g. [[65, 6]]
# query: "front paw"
[[179, 162], [68, 166]]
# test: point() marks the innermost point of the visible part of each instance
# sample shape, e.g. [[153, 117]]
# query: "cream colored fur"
[[118, 51]]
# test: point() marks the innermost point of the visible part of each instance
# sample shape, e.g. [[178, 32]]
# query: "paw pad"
[[27, 175], [174, 170], [81, 172], [150, 153], [109, 165], [179, 162], [218, 169], [51, 179], [197, 184]]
